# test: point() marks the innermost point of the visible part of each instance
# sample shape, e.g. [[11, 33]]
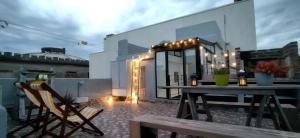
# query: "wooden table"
[[262, 93]]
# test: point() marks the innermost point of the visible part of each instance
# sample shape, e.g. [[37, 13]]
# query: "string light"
[[223, 65], [206, 54], [215, 56], [201, 47], [225, 54], [233, 64], [212, 65], [232, 53]]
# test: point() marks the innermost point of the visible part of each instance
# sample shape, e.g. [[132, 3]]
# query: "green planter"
[[222, 79]]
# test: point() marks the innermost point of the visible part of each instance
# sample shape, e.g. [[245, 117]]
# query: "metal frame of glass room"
[[176, 62]]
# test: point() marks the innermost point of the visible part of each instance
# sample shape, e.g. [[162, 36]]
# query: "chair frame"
[[64, 122], [34, 123]]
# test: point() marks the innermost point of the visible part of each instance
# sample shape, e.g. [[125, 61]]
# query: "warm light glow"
[[225, 55], [147, 56], [212, 65], [190, 40], [110, 99], [177, 44], [152, 46], [223, 65], [232, 53], [185, 43], [206, 54], [233, 64], [149, 51], [242, 82], [201, 47], [134, 98], [165, 44], [181, 42], [194, 82], [215, 56], [141, 58]]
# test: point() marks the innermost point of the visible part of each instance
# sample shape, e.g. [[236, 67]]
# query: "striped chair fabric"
[[87, 112]]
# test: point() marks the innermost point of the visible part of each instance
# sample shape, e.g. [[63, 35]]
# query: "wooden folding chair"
[[77, 120], [35, 101]]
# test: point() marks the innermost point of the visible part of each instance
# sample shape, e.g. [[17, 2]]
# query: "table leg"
[[206, 108], [192, 103], [274, 117], [181, 105], [260, 111], [250, 112], [281, 113], [180, 110]]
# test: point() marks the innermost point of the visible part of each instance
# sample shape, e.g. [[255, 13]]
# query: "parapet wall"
[[17, 57]]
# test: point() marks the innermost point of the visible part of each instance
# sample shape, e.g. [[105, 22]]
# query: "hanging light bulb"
[[206, 54], [215, 56], [225, 54], [201, 47], [232, 53], [173, 43], [223, 65], [165, 44], [233, 64], [213, 65]]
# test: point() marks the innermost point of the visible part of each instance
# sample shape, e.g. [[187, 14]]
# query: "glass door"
[[174, 68], [190, 66], [161, 74], [176, 76]]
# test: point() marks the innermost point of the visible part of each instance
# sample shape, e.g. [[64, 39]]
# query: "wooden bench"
[[148, 125]]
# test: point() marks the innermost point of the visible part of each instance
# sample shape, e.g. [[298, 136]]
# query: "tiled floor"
[[114, 120]]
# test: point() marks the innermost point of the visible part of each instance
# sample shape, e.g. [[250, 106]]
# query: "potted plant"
[[69, 99], [266, 70], [221, 76]]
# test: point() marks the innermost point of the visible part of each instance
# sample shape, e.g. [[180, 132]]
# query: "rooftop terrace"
[[114, 120]]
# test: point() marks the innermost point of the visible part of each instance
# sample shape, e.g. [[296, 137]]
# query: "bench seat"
[[147, 126]]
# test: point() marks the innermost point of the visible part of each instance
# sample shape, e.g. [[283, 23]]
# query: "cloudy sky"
[[62, 23]]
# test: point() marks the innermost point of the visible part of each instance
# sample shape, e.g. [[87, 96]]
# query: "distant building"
[[49, 60]]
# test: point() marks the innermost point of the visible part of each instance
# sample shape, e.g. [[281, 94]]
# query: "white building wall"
[[237, 19], [100, 65]]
